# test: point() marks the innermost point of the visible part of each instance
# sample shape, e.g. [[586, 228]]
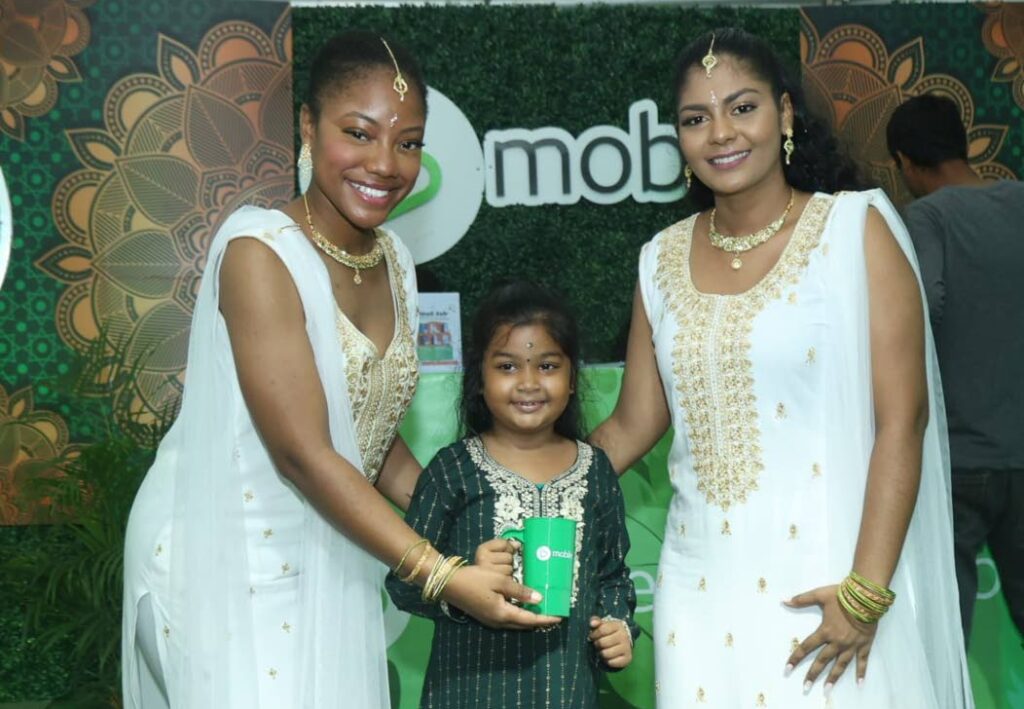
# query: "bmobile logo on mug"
[[543, 553]]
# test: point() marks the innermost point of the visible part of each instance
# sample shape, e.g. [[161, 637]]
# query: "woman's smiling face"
[[730, 126]]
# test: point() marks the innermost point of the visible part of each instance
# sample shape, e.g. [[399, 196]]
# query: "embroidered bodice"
[[380, 387]]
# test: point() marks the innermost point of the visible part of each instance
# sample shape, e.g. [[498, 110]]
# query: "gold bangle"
[[432, 576], [401, 562], [416, 569], [850, 610], [874, 587], [443, 584]]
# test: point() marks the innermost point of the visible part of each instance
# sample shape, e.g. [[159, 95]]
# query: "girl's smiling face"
[[527, 380], [730, 127]]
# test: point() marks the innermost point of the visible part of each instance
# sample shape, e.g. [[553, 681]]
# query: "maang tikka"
[[710, 61], [400, 85]]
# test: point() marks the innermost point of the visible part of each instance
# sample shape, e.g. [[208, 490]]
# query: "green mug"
[[549, 561]]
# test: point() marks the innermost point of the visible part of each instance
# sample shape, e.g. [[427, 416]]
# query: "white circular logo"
[[447, 195], [544, 553], [6, 228]]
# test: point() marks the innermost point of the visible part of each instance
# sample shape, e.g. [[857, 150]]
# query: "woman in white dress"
[[780, 332], [253, 556]]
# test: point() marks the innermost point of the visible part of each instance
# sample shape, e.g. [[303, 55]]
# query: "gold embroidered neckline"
[[486, 456], [712, 371], [765, 282], [384, 239]]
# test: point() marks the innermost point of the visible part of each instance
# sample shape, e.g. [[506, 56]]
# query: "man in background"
[[969, 238]]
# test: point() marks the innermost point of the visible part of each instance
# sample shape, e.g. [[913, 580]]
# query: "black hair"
[[350, 56], [817, 164], [928, 130], [518, 303]]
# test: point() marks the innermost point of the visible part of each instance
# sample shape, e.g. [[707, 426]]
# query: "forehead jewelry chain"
[[710, 61], [399, 85], [356, 263], [739, 244]]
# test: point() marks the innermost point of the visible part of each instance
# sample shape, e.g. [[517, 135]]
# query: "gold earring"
[[689, 176], [304, 166], [789, 146]]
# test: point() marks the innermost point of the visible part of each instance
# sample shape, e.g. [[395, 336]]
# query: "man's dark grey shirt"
[[970, 242]]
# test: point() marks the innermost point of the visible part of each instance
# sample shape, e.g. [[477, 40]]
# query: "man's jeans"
[[988, 507]]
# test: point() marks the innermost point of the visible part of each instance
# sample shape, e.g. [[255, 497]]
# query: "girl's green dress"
[[464, 498]]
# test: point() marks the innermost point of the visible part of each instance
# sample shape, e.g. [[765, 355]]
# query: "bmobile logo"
[[447, 195], [543, 552], [6, 228]]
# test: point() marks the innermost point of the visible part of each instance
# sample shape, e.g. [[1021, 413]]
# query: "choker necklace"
[[356, 263], [738, 244]]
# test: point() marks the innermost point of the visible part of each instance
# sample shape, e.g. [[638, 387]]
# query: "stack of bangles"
[[441, 573], [863, 600]]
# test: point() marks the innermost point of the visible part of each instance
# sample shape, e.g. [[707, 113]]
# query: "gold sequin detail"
[[726, 530], [272, 672], [285, 627], [167, 632], [713, 372], [682, 530], [816, 470], [701, 695], [285, 568], [268, 533], [159, 550], [380, 387], [760, 700], [793, 531], [657, 687], [811, 356], [780, 410], [762, 585], [248, 496], [516, 498], [728, 639], [672, 638], [792, 298], [702, 585]]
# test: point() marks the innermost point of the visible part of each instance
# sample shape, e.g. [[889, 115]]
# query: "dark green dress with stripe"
[[464, 498]]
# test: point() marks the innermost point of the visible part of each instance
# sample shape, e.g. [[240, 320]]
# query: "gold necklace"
[[356, 263], [738, 244]]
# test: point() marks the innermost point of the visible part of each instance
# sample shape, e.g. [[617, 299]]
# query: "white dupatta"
[[343, 661], [923, 627]]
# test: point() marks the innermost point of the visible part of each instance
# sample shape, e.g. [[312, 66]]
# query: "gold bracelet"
[[848, 607], [401, 562], [416, 569], [439, 562], [443, 584]]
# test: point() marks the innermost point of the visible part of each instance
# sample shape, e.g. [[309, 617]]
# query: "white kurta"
[[295, 614], [753, 468]]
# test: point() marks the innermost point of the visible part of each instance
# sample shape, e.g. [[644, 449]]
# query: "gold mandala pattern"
[[180, 150], [1003, 35], [32, 443], [37, 41], [854, 81]]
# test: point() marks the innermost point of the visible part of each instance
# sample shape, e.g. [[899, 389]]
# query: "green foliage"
[[536, 66]]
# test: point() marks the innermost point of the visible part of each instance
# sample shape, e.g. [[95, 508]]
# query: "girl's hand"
[[840, 638], [485, 593], [612, 641], [496, 554]]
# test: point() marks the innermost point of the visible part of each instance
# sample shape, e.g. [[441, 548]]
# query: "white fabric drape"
[[924, 624]]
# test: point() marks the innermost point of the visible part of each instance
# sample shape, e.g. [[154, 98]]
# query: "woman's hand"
[[496, 554], [840, 638], [612, 641], [485, 593]]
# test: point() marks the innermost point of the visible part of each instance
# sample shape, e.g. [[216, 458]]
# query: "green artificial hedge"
[[536, 66]]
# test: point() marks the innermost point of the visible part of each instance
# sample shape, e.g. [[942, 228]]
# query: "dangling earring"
[[689, 176], [789, 146], [304, 165]]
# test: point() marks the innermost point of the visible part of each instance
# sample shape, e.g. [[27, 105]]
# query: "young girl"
[[523, 458]]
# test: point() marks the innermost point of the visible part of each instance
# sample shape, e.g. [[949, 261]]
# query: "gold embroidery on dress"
[[517, 498], [380, 387], [711, 355], [728, 639]]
